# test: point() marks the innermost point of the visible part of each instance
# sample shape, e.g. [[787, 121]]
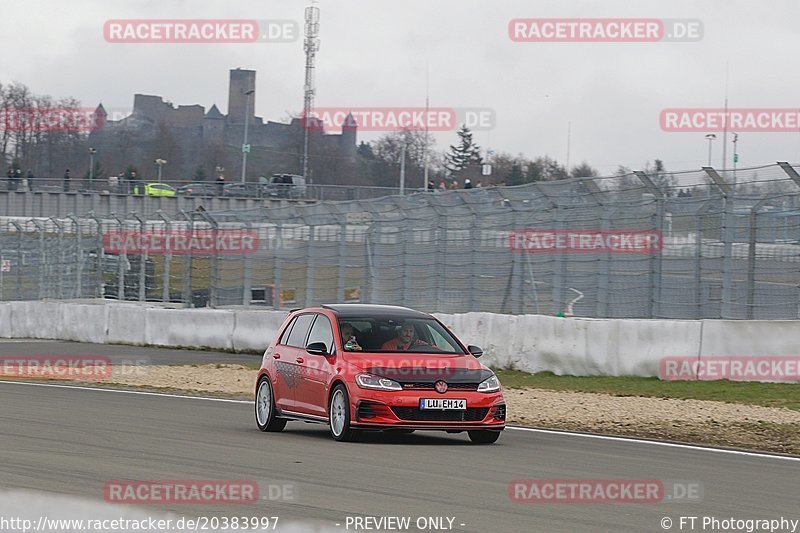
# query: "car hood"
[[420, 368]]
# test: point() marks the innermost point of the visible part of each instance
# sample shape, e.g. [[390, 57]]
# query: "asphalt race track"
[[68, 440]]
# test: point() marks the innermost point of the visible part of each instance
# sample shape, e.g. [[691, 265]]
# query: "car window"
[[297, 337], [376, 334], [438, 340], [285, 337], [321, 331]]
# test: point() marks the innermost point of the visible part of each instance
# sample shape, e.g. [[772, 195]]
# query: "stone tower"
[[214, 127], [349, 133], [241, 81]]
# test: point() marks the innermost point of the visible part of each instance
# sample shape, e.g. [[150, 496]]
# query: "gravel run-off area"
[[694, 421]]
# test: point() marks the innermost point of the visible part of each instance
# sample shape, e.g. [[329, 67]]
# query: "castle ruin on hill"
[[191, 138]]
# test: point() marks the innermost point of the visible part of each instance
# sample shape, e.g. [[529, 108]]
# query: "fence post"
[[441, 246], [698, 267], [751, 261], [367, 295], [187, 264], [167, 264], [213, 282], [100, 255], [559, 267], [311, 257], [654, 309], [19, 260], [605, 268], [475, 274], [62, 257], [42, 256], [277, 299], [407, 277], [247, 275], [142, 260], [342, 258], [122, 258], [78, 256], [727, 240]]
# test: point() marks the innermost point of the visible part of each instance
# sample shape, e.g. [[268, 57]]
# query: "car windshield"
[[397, 334]]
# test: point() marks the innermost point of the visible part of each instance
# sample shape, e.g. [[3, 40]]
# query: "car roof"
[[373, 310]]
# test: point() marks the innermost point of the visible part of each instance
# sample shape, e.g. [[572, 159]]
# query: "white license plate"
[[443, 404]]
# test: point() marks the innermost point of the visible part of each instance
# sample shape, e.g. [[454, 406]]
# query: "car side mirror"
[[475, 351], [317, 348]]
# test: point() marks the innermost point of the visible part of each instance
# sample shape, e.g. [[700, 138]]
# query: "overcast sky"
[[376, 53]]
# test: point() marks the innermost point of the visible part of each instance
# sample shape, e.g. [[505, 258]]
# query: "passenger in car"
[[349, 338]]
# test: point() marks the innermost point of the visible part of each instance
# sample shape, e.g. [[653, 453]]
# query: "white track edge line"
[[517, 428]]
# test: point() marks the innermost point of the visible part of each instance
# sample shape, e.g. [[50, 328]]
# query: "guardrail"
[[533, 343]]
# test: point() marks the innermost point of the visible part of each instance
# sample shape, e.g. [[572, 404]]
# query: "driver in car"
[[406, 338]]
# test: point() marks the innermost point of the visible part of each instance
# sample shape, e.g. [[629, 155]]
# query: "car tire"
[[339, 415], [483, 436], [266, 420]]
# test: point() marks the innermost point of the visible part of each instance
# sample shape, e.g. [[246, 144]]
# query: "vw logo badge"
[[441, 387]]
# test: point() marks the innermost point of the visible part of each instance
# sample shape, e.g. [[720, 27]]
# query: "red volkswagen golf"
[[375, 367]]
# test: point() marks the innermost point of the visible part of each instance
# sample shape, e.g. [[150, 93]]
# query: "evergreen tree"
[[467, 153], [515, 176]]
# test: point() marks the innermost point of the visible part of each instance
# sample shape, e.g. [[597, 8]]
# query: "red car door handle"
[[276, 356], [299, 359]]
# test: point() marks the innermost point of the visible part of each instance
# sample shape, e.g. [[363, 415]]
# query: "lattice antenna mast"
[[311, 46]]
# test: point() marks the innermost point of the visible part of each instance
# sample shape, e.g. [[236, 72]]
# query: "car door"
[[315, 370], [287, 368]]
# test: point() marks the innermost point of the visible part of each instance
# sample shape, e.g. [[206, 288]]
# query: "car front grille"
[[472, 414], [424, 385]]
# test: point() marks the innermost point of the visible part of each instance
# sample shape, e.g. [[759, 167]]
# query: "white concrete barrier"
[[532, 343], [126, 324], [36, 320], [254, 330], [193, 328], [5, 321], [83, 323], [763, 338], [641, 344]]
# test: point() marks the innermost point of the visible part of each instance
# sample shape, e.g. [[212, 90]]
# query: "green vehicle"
[[155, 189]]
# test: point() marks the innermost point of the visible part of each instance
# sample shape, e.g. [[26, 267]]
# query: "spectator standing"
[[17, 179], [9, 179], [220, 185], [29, 178], [67, 179]]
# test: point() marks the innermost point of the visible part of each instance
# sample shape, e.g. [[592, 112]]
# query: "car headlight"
[[368, 381], [491, 384]]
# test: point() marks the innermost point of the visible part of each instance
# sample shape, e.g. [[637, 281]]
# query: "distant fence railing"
[[685, 246]]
